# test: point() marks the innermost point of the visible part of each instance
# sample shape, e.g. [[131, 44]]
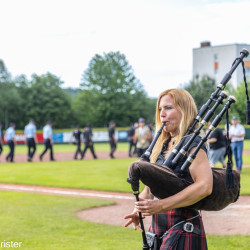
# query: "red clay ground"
[[235, 219], [64, 156]]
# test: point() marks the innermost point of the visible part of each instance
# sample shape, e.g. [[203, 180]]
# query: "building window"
[[247, 67], [216, 64], [216, 67]]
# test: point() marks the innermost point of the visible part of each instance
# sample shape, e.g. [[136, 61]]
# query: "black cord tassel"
[[229, 176], [248, 112], [229, 172]]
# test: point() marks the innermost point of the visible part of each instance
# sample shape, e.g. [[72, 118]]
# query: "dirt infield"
[[68, 156], [235, 219], [65, 156]]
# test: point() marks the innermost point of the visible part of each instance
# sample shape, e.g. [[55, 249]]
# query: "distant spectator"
[[10, 138], [48, 141], [131, 133], [217, 147], [150, 125], [143, 137], [237, 134], [31, 139], [77, 137], [1, 139], [112, 140], [136, 125], [88, 142]]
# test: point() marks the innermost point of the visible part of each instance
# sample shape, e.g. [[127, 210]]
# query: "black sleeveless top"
[[176, 168]]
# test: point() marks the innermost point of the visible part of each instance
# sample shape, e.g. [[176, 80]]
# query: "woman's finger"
[[128, 216], [128, 223]]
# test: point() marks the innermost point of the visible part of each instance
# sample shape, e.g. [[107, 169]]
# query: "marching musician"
[[176, 226]]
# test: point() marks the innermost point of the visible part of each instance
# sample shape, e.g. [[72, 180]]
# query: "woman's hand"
[[133, 218], [149, 207]]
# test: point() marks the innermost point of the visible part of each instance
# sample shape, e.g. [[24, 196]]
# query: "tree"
[[10, 101], [110, 91], [46, 100], [201, 89], [239, 107]]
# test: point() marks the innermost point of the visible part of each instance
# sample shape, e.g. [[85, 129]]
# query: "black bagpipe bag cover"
[[163, 182]]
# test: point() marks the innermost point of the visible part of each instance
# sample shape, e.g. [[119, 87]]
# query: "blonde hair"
[[183, 102]]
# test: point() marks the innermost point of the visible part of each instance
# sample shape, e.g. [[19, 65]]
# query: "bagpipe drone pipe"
[[164, 182]]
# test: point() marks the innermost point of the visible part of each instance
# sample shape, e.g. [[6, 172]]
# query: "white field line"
[[61, 192], [65, 192]]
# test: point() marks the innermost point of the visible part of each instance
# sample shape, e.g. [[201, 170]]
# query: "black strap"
[[180, 226]]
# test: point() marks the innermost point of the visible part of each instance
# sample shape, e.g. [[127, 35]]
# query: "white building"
[[216, 61]]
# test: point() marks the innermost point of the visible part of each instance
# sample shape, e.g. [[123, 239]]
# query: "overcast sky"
[[156, 36]]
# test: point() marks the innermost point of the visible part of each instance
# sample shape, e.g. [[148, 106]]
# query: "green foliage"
[[46, 100], [10, 100], [239, 108], [201, 89], [110, 91]]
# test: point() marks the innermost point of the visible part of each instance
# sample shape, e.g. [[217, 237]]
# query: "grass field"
[[49, 222], [108, 175]]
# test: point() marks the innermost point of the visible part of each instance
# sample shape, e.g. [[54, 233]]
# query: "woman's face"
[[170, 115]]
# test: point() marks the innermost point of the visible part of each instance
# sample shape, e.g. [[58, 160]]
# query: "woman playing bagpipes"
[[176, 226]]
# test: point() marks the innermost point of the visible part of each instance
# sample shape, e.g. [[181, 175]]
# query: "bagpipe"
[[164, 182]]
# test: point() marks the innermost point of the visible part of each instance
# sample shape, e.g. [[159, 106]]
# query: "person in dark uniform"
[[31, 139], [10, 138], [78, 141], [88, 142], [1, 139], [131, 133], [112, 140], [217, 147], [48, 141]]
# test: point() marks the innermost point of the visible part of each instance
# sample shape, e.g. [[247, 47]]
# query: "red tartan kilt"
[[177, 238]]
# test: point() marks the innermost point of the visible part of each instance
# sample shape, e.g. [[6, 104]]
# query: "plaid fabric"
[[177, 238]]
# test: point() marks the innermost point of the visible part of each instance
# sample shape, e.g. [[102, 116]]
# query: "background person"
[[78, 141], [143, 137], [10, 138], [48, 141], [1, 139], [112, 140], [31, 139], [217, 147], [177, 109], [88, 142], [150, 126], [131, 143], [237, 134]]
